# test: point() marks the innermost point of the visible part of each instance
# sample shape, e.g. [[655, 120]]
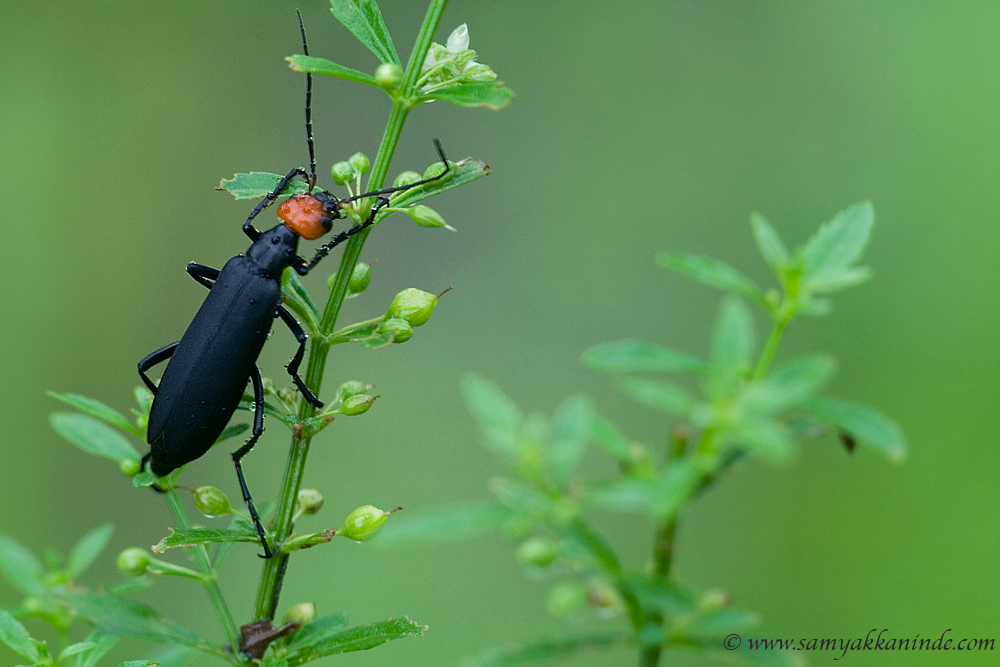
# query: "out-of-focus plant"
[[723, 409]]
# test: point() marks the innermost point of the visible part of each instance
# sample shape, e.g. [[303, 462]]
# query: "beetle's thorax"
[[274, 250]]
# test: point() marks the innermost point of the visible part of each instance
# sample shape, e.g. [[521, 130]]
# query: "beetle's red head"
[[309, 216]]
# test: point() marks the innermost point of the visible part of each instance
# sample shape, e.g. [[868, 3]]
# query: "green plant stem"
[[271, 578], [210, 577], [781, 320], [609, 561]]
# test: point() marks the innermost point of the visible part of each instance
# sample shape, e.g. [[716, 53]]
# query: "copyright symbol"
[[732, 642]]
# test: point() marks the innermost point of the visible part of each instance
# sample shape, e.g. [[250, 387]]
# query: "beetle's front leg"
[[293, 365]]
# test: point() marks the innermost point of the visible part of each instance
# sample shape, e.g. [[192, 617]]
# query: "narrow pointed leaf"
[[553, 649], [20, 567], [273, 661], [364, 20], [144, 398], [628, 494], [231, 432], [571, 426], [849, 277], [189, 537], [93, 436], [869, 426], [673, 487], [610, 439], [770, 244], [293, 290], [636, 356], [115, 616], [462, 172], [13, 634], [489, 94], [498, 417], [257, 184], [447, 523], [719, 623], [360, 638], [139, 663], [97, 409], [74, 649], [88, 549], [712, 272], [837, 244], [765, 438], [175, 656], [732, 347], [319, 630], [658, 395], [300, 63], [102, 644], [790, 384]]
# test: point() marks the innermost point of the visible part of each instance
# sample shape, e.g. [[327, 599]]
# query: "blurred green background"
[[637, 127]]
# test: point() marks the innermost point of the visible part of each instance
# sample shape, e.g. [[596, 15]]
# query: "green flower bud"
[[413, 305], [303, 612], [350, 388], [537, 552], [425, 216], [211, 501], [269, 387], [133, 562], [388, 76], [359, 163], [605, 600], [400, 329], [342, 173], [406, 178], [363, 523], [130, 467], [566, 598], [436, 169], [714, 599], [357, 404], [361, 277], [310, 500], [287, 395]]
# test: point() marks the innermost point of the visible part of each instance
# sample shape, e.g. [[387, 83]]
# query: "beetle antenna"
[[309, 123], [385, 191]]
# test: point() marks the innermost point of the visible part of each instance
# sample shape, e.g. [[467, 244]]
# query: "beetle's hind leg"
[[293, 365], [258, 428], [151, 360]]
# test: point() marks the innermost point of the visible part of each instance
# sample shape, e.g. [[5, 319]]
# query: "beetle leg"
[[205, 275], [325, 249], [152, 359], [293, 365], [248, 227], [258, 428]]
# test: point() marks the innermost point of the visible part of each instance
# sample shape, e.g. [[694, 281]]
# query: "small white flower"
[[458, 40]]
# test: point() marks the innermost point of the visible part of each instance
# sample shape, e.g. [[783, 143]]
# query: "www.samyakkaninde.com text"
[[875, 640]]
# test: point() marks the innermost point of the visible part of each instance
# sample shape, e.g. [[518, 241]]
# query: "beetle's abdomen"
[[209, 370]]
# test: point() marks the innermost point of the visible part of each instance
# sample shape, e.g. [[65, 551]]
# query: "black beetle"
[[215, 358]]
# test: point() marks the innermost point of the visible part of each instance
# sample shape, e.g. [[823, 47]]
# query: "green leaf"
[[489, 94], [770, 244], [115, 616], [299, 300], [446, 523], [20, 567], [139, 663], [231, 432], [144, 397], [74, 649], [849, 277], [670, 599], [313, 65], [837, 244], [870, 427], [99, 410], [789, 385], [673, 487], [571, 425], [88, 549], [765, 438], [360, 638], [658, 395], [462, 172], [102, 644], [189, 537], [732, 347], [712, 272], [13, 634], [320, 630], [143, 479], [635, 356], [93, 436], [498, 417], [257, 184], [610, 439], [273, 661], [718, 623], [364, 20], [549, 649]]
